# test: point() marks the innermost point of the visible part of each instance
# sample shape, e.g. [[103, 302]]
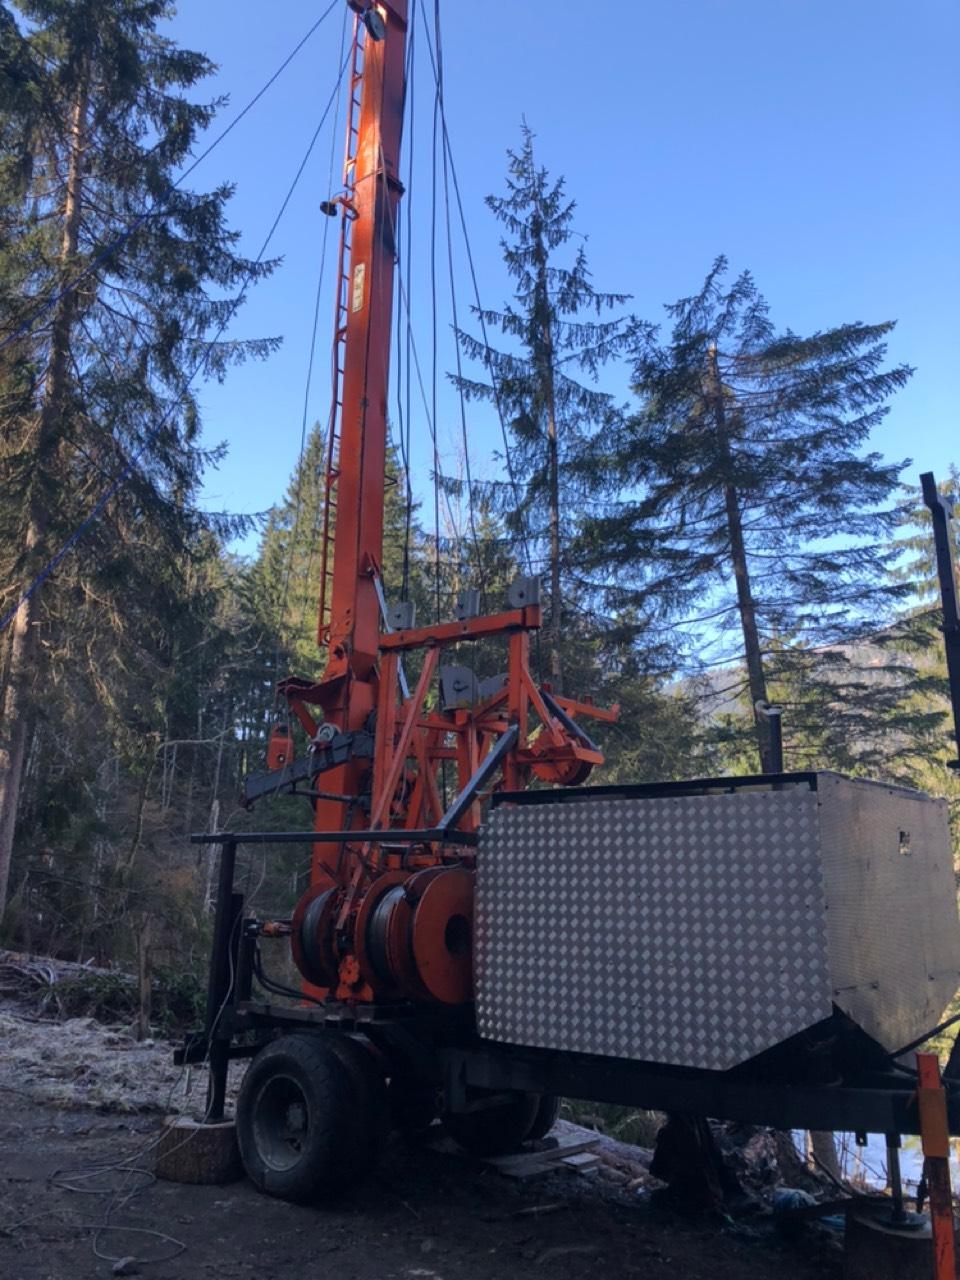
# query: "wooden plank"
[[566, 1149], [525, 1164], [582, 1161]]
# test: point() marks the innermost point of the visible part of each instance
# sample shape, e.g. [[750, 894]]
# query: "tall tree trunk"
[[5, 644], [14, 726], [556, 596], [545, 362], [823, 1153], [753, 653], [16, 718], [144, 977]]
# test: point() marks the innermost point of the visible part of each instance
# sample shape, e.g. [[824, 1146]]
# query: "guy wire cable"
[[524, 537], [318, 299], [471, 512], [433, 324]]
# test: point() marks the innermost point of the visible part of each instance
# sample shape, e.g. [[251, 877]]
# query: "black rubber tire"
[[495, 1130], [361, 1061], [302, 1124], [548, 1113]]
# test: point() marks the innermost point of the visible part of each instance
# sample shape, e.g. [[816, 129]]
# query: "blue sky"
[[811, 141]]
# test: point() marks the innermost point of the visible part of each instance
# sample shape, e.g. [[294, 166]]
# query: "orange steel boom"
[[356, 450], [357, 456], [385, 920]]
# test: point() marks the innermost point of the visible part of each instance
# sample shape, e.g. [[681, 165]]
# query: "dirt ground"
[[76, 1101], [424, 1216]]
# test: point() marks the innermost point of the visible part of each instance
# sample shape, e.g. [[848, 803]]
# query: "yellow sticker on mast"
[[359, 277]]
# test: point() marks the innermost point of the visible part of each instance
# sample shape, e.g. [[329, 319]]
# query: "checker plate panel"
[[686, 930]]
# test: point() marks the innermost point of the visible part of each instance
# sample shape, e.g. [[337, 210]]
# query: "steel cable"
[[524, 537], [471, 512]]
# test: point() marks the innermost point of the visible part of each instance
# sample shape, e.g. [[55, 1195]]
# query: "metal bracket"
[[523, 592], [401, 616], [338, 750], [488, 768], [468, 605], [458, 687], [398, 617]]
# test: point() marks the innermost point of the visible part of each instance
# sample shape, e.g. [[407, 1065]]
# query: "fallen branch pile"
[[54, 986]]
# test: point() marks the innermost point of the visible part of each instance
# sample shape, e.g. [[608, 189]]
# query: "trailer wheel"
[[494, 1130], [370, 1086], [304, 1126], [548, 1113]]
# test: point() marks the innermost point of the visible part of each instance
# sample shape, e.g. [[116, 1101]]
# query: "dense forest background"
[[725, 538]]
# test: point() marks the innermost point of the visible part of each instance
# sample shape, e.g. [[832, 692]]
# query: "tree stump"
[[874, 1251], [189, 1151]]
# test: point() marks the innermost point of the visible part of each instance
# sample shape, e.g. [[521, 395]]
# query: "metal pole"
[[219, 983], [897, 1214], [487, 770], [942, 513], [774, 718]]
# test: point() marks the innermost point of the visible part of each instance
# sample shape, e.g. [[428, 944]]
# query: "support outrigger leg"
[[223, 968], [942, 512]]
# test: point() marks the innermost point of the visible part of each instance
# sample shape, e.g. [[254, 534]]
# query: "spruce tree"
[[917, 566], [285, 574], [544, 384], [96, 124], [743, 483], [918, 634]]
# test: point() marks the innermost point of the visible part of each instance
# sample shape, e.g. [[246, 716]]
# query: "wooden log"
[[189, 1151], [144, 979]]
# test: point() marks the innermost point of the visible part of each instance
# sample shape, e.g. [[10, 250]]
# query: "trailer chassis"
[[442, 1049]]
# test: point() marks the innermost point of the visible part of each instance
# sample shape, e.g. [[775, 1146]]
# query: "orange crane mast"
[[388, 912]]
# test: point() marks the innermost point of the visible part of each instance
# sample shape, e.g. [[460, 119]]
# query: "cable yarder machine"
[[764, 949]]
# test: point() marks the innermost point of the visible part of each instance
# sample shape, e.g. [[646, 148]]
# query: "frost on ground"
[[82, 1063]]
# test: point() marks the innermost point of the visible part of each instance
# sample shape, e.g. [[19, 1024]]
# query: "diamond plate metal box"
[[701, 929]]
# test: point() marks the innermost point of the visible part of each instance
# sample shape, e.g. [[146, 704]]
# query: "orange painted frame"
[[935, 1141], [360, 683]]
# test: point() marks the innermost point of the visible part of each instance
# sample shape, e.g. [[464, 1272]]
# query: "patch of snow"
[[82, 1063]]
